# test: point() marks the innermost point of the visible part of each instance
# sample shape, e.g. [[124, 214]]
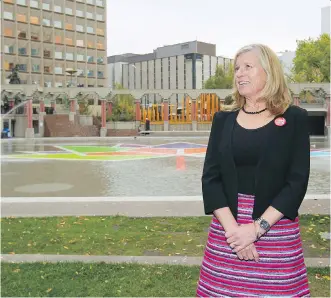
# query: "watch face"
[[264, 224]]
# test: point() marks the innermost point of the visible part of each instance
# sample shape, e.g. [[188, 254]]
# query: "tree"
[[123, 106], [223, 79], [312, 60]]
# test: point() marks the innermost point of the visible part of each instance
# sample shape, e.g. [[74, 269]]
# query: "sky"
[[140, 26]]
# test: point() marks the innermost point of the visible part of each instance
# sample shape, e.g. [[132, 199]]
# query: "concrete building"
[[180, 66], [325, 20], [46, 38]]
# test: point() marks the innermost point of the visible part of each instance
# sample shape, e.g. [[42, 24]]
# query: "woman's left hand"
[[241, 237]]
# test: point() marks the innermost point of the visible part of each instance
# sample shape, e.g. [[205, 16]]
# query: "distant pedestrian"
[[147, 125]]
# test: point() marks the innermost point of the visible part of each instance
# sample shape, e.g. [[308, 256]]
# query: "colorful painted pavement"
[[123, 152]]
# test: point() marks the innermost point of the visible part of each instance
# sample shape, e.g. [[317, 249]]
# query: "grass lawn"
[[129, 236], [118, 280]]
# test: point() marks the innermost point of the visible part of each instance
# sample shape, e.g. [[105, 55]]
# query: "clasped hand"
[[241, 240]]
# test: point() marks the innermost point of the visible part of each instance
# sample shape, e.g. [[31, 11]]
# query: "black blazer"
[[282, 173]]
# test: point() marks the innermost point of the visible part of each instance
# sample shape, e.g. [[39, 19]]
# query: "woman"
[[254, 179]]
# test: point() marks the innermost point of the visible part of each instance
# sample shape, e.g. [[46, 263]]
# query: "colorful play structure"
[[181, 112]]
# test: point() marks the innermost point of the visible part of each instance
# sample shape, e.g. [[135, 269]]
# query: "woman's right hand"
[[248, 253]]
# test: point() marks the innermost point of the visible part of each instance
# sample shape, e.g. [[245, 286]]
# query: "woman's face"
[[250, 77]]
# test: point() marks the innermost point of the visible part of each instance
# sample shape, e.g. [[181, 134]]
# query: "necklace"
[[252, 113]]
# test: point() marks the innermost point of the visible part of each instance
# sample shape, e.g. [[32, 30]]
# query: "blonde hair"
[[275, 92]]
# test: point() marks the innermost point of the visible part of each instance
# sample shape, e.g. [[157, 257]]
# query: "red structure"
[[103, 114], [138, 115], [110, 108], [29, 111]]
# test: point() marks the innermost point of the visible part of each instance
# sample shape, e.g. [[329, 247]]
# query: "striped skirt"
[[280, 272]]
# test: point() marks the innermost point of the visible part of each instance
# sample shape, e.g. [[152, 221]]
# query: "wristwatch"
[[263, 223]]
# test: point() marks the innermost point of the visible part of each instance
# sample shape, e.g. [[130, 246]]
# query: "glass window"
[[46, 22], [69, 56], [58, 9], [100, 60], [34, 20], [80, 28], [80, 57], [58, 70], [99, 3], [90, 59], [99, 17], [46, 6], [34, 52], [8, 32], [79, 43], [58, 39], [22, 51], [47, 54], [100, 31], [21, 18], [79, 13], [57, 24], [34, 4], [58, 55], [58, 84], [21, 34], [89, 15], [90, 2], [35, 68], [90, 44], [35, 35], [8, 65], [80, 72], [89, 29], [68, 10], [8, 15], [100, 74], [9, 49], [48, 83], [100, 46], [69, 41], [47, 69], [22, 67], [69, 26], [21, 2], [90, 73]]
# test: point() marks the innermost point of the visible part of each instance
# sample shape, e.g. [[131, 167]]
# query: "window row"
[[56, 23], [46, 4], [35, 67], [58, 39], [57, 55]]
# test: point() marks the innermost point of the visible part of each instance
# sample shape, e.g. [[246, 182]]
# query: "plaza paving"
[[120, 167]]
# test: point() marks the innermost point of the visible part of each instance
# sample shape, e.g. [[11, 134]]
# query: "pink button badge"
[[280, 121]]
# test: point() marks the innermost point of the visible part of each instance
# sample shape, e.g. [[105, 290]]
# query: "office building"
[[325, 20], [48, 38], [181, 66]]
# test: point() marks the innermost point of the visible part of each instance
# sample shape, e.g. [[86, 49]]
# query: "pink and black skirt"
[[280, 272]]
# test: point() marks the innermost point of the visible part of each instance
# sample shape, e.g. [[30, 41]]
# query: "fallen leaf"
[[65, 247], [312, 246], [17, 270], [48, 290]]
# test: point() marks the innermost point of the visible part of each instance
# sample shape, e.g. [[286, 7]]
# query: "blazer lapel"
[[227, 159]]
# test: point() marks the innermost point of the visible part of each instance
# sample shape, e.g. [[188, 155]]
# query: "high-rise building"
[[54, 43], [325, 20], [180, 66]]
